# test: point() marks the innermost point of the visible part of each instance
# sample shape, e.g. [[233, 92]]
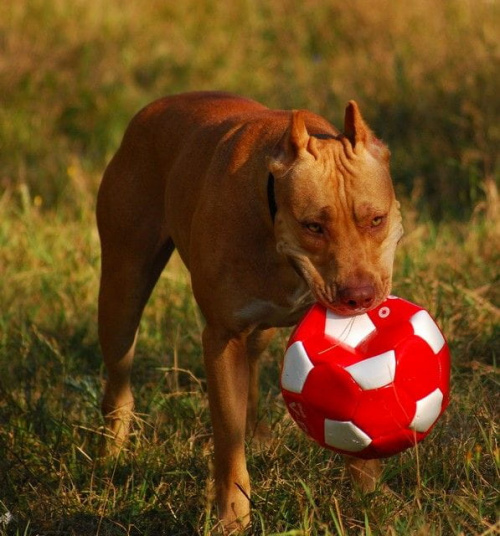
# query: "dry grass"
[[51, 378], [71, 75]]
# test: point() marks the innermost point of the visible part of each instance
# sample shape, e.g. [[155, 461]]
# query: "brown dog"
[[270, 210]]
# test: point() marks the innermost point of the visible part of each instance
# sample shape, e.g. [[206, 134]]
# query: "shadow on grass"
[[152, 523]]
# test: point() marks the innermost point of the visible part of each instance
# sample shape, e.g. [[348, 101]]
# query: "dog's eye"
[[315, 228], [377, 221]]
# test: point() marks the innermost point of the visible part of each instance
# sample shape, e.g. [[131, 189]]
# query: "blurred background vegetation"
[[72, 73]]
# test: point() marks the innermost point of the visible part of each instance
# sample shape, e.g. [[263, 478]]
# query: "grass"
[[72, 74], [54, 483]]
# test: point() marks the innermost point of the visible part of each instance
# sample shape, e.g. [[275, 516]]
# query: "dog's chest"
[[265, 313]]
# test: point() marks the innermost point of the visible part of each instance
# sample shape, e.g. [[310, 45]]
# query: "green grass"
[[71, 76], [51, 378]]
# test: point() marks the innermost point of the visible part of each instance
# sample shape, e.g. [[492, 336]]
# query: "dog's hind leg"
[[365, 474], [135, 246], [126, 284]]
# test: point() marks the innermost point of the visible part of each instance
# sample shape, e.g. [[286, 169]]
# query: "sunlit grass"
[[51, 381]]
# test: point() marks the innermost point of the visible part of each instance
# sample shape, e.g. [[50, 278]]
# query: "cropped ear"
[[359, 133], [294, 140], [355, 128]]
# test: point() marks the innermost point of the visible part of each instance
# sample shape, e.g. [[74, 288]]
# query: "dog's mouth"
[[358, 301], [343, 310]]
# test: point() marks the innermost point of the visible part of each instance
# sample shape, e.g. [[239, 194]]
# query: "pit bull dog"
[[270, 210]]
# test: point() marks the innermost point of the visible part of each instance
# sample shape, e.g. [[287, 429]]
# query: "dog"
[[270, 211]]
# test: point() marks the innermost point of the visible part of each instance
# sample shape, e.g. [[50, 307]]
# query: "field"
[[71, 76]]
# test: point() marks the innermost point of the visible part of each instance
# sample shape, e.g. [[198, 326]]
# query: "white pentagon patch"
[[428, 410], [296, 367], [425, 328], [350, 330], [374, 372], [345, 435]]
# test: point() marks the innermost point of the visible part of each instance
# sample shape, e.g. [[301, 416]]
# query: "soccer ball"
[[370, 385]]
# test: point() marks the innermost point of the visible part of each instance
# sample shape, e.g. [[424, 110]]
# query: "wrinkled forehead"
[[362, 180], [370, 178]]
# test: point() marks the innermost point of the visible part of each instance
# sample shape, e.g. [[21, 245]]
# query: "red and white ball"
[[370, 385]]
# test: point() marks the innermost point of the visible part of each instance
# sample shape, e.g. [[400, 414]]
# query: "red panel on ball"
[[331, 391], [419, 370], [382, 411]]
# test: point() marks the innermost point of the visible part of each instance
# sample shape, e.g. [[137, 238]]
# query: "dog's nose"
[[361, 297]]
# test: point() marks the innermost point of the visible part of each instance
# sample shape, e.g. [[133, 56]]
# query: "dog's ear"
[[355, 128], [360, 134], [294, 141]]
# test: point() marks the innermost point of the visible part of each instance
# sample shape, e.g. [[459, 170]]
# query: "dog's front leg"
[[227, 379], [257, 342]]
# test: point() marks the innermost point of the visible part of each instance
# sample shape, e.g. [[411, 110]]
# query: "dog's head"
[[337, 220]]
